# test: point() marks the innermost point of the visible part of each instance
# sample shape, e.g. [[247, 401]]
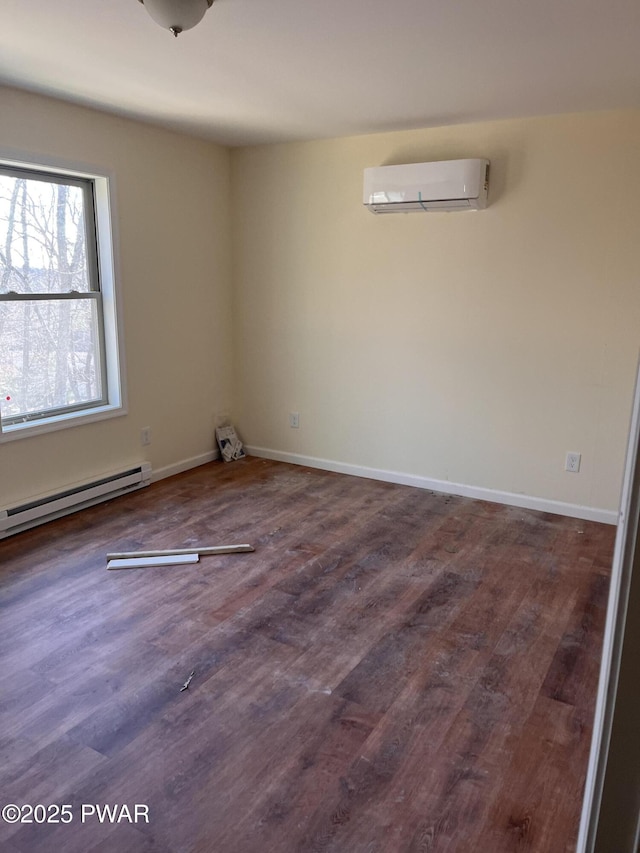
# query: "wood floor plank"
[[529, 813], [391, 670]]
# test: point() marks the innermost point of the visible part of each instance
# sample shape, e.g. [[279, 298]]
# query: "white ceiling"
[[258, 71]]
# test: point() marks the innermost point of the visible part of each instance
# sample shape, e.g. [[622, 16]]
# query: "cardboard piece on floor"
[[141, 562], [229, 443]]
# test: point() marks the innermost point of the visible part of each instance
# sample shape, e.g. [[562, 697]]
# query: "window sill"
[[45, 425]]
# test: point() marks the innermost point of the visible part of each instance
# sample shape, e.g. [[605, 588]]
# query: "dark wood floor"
[[391, 670]]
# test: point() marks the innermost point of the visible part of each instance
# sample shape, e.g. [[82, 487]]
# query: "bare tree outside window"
[[51, 343]]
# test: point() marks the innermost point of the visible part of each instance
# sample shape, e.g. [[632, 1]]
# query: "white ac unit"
[[444, 185]]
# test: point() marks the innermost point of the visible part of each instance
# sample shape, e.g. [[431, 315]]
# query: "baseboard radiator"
[[17, 518]]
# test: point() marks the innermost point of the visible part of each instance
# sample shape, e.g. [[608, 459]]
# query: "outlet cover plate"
[[572, 463]]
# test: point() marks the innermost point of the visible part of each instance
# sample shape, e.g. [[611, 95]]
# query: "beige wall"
[[472, 348], [172, 209], [475, 348]]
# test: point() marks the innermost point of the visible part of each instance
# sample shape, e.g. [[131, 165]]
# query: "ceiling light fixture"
[[177, 15]]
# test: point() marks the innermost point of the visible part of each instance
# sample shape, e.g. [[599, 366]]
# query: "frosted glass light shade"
[[177, 15]]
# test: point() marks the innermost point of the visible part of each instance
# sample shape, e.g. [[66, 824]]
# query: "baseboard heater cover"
[[40, 510]]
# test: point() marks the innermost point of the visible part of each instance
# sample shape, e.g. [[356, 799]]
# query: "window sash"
[[87, 185], [100, 350]]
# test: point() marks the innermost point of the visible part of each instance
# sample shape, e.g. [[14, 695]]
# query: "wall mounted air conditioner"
[[445, 185]]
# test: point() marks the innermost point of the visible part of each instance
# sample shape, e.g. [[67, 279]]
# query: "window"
[[58, 335]]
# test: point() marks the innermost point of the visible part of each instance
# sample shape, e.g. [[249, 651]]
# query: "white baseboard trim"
[[184, 465], [509, 498]]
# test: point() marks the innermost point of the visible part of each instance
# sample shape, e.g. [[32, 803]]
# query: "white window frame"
[[103, 182]]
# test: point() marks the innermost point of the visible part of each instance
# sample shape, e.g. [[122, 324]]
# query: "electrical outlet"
[[145, 436], [294, 420], [572, 462]]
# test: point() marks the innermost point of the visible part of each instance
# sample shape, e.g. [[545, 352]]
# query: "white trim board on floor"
[[157, 561], [509, 498]]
